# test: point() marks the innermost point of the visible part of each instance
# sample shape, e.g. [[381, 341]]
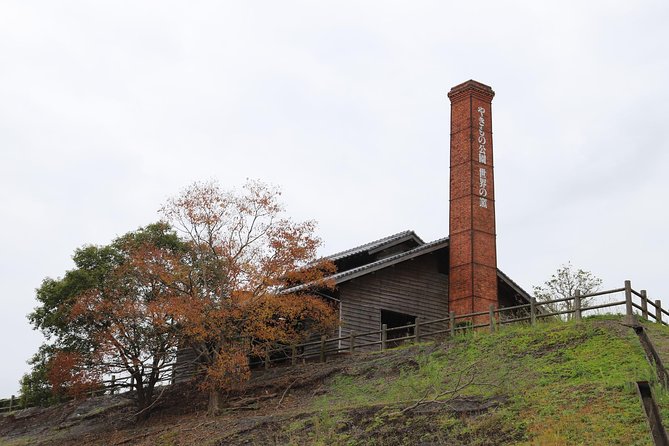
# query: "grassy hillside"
[[559, 384], [554, 384]]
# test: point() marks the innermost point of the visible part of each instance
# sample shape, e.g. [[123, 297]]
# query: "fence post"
[[322, 358], [293, 355], [451, 322], [629, 309], [491, 315], [11, 403], [351, 342], [577, 305], [658, 311], [644, 304], [417, 330], [533, 311], [113, 385], [384, 336]]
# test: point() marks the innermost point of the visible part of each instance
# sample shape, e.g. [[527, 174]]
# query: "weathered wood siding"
[[414, 287], [185, 367]]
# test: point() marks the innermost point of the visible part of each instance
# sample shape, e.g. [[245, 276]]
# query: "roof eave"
[[411, 236], [521, 292], [374, 246], [390, 261]]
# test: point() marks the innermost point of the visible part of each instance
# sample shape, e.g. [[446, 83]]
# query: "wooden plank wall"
[[414, 287], [184, 367]]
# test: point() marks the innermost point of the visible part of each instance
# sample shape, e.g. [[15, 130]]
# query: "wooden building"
[[395, 280]]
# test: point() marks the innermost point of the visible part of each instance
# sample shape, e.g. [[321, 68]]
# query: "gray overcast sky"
[[109, 107]]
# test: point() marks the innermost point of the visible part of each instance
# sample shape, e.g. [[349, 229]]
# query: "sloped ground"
[[554, 384], [659, 336]]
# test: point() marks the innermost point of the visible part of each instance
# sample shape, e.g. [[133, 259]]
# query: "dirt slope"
[[554, 384]]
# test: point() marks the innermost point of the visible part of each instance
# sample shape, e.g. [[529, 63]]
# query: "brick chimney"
[[473, 254]]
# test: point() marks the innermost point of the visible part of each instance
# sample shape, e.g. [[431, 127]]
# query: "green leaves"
[[564, 283], [109, 310]]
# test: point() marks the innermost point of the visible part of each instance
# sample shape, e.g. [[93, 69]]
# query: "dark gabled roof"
[[388, 261], [367, 268], [426, 248], [378, 245]]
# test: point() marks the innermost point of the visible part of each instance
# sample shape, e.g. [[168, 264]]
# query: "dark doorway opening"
[[393, 319]]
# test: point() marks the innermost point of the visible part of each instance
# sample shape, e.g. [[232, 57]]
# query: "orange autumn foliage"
[[128, 318], [219, 287], [229, 370], [69, 375], [243, 252]]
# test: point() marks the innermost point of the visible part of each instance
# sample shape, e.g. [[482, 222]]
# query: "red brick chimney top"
[[473, 87]]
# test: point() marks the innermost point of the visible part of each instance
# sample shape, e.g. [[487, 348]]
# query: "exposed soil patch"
[[71, 420], [110, 419]]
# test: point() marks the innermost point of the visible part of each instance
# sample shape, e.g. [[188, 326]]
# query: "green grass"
[[559, 383], [659, 336]]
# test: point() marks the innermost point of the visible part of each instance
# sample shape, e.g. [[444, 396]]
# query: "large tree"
[[218, 286], [113, 314], [563, 284], [243, 252]]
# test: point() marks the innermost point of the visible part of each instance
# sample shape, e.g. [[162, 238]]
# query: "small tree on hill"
[[112, 314], [563, 284]]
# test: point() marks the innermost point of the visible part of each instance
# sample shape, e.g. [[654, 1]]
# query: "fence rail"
[[323, 348]]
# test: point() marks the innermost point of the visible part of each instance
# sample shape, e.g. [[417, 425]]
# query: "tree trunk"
[[215, 400], [143, 411]]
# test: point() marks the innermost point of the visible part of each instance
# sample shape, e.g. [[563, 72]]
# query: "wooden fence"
[[495, 317], [530, 313]]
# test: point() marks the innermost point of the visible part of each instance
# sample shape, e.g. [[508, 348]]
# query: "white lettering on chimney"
[[483, 175]]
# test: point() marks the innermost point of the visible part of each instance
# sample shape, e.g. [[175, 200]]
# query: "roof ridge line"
[[380, 241], [389, 259]]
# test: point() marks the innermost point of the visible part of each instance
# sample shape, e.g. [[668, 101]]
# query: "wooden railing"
[[530, 313], [453, 324]]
